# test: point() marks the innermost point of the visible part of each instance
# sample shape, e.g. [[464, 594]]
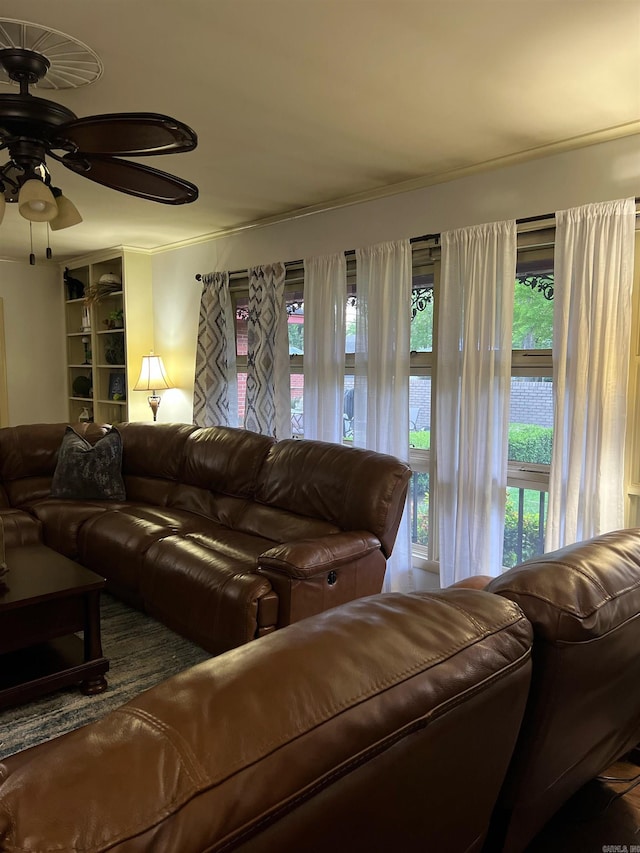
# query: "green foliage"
[[532, 319], [420, 438], [530, 443], [422, 330], [531, 544], [296, 335]]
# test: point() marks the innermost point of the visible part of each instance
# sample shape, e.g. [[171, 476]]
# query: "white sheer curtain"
[[591, 328], [381, 389], [473, 383], [215, 396], [325, 297], [268, 402]]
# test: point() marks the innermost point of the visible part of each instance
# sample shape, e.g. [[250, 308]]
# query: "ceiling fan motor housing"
[[32, 127]]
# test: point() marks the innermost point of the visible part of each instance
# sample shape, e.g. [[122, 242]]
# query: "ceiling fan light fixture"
[[68, 214], [36, 202]]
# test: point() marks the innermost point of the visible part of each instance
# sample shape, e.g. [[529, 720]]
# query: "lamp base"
[[154, 402]]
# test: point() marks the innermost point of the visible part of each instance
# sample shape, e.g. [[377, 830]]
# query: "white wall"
[[34, 335], [601, 172]]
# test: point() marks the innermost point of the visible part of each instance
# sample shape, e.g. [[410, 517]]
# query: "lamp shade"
[[68, 214], [36, 202], [3, 205], [153, 376]]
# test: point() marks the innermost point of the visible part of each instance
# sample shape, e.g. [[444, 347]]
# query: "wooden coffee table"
[[45, 598]]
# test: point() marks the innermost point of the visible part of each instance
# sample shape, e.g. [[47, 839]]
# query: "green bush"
[[530, 532], [530, 443], [420, 438]]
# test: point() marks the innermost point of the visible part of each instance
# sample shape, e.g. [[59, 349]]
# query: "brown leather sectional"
[[453, 721], [225, 535], [386, 724]]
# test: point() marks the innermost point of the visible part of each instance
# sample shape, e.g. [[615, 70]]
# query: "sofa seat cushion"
[[231, 544], [61, 521], [20, 528], [114, 542], [281, 525], [203, 594]]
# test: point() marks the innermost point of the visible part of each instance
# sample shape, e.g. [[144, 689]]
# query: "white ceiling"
[[310, 103]]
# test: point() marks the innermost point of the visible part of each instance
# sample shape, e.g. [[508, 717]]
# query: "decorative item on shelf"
[[81, 386], [75, 288], [86, 343], [153, 377], [98, 290], [84, 417], [86, 319], [115, 320], [114, 349], [117, 387]]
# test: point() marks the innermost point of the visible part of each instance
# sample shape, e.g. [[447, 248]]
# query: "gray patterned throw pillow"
[[88, 471]]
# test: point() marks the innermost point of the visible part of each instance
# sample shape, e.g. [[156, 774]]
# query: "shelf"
[[113, 402], [110, 331], [111, 366]]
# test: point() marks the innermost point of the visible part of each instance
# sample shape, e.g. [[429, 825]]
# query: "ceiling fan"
[[33, 128]]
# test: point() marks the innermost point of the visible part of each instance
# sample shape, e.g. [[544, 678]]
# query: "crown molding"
[[537, 152]]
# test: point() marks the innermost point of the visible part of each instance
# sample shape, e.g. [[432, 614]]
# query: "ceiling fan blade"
[[132, 178], [126, 135]]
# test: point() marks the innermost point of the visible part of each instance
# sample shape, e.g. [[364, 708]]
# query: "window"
[[531, 404], [531, 401], [426, 273]]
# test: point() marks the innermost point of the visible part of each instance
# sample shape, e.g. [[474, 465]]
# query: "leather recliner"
[[384, 724]]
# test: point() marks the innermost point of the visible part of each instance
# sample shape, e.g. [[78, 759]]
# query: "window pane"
[[295, 322], [242, 396], [242, 313], [533, 305], [531, 419], [420, 412], [525, 520], [419, 508], [422, 313], [297, 413]]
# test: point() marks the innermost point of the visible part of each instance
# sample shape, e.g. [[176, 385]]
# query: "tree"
[[532, 319]]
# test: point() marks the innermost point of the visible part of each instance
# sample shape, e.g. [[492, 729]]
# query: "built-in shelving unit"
[[107, 335]]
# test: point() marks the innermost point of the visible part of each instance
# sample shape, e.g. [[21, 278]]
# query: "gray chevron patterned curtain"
[[215, 398], [268, 402]]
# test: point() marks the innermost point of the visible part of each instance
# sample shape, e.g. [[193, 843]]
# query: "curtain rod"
[[348, 252]]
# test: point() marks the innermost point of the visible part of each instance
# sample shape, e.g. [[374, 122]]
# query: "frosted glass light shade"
[[68, 214], [36, 202], [3, 205], [153, 376]]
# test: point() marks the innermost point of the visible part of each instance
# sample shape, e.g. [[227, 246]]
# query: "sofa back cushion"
[[225, 460], [584, 707], [29, 454], [152, 460], [330, 734], [351, 488]]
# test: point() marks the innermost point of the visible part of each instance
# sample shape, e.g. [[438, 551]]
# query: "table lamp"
[[153, 377]]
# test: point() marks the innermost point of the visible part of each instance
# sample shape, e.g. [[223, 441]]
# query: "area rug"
[[141, 653]]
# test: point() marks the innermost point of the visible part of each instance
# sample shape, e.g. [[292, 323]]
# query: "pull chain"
[[49, 252], [32, 257]]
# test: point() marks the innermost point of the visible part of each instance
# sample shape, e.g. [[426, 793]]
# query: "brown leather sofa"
[[225, 535], [583, 711], [384, 724]]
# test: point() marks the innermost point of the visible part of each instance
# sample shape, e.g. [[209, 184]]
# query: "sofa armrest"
[[309, 557], [313, 575]]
